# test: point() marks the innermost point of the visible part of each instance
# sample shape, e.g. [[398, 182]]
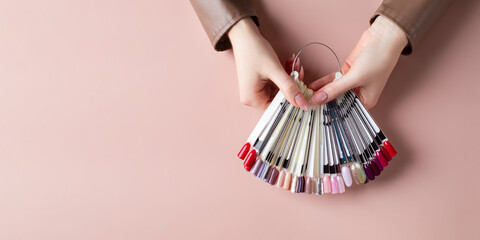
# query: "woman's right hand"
[[259, 70]]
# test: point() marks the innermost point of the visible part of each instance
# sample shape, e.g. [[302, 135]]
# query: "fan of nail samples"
[[318, 151]]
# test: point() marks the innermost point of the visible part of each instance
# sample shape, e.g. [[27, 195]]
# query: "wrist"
[[388, 32], [241, 30]]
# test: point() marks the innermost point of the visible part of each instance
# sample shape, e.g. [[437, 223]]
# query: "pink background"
[[119, 121]]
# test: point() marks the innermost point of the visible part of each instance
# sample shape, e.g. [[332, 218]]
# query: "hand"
[[368, 67], [259, 70]]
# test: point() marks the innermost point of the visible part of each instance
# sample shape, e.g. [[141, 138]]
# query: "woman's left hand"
[[368, 66]]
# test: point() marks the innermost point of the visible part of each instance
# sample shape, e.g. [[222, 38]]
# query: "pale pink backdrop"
[[119, 121]]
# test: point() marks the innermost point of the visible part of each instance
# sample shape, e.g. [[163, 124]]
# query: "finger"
[[289, 88], [317, 84], [332, 90]]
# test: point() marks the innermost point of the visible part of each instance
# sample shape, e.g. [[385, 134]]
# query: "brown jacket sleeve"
[[415, 17], [218, 16]]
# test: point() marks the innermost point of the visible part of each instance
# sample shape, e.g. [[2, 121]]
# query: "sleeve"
[[218, 16], [414, 17]]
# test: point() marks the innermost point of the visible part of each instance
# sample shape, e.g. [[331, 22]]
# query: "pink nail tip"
[[381, 158], [334, 183], [281, 179], [341, 185], [347, 176], [287, 183], [327, 188]]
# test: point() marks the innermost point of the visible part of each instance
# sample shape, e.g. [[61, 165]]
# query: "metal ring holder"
[[319, 43]]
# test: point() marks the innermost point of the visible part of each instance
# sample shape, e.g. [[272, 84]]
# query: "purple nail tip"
[[374, 168], [379, 165], [273, 177], [268, 174], [301, 184], [260, 170], [256, 166], [369, 172]]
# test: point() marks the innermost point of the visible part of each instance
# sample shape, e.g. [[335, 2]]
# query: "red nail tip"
[[381, 159], [390, 148], [243, 152], [385, 153], [250, 160]]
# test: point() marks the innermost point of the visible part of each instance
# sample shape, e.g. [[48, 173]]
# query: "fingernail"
[[308, 186], [341, 185], [250, 160], [319, 97], [389, 148], [301, 102], [273, 176], [382, 159], [385, 153], [327, 187], [288, 179], [347, 176], [301, 74], [297, 64], [333, 181], [243, 152], [281, 179]]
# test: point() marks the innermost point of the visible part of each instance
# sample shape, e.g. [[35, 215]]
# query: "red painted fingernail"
[[385, 153], [243, 152], [390, 148], [297, 64], [250, 160], [289, 64], [383, 161]]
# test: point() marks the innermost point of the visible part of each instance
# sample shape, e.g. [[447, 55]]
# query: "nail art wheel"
[[322, 150]]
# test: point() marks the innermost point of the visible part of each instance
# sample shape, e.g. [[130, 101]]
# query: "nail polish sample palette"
[[319, 151]]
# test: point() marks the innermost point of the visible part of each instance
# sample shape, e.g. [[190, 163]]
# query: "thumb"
[[289, 88], [332, 90]]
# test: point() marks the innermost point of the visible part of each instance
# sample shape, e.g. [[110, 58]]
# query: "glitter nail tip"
[[347, 176], [334, 183], [381, 158], [326, 185], [280, 179], [319, 186], [361, 173], [354, 174], [341, 185], [390, 148]]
